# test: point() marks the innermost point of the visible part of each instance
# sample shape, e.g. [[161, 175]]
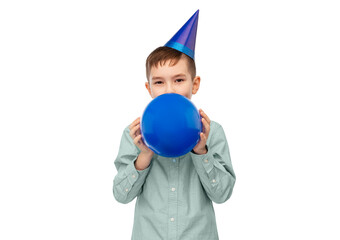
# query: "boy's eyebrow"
[[179, 75], [156, 78], [161, 78]]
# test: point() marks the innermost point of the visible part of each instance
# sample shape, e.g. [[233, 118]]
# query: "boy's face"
[[172, 79]]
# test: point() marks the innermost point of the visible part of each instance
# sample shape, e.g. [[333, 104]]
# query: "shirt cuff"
[[133, 175], [204, 162], [205, 167]]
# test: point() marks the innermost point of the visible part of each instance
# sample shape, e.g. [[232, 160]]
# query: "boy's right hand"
[[136, 135], [144, 158]]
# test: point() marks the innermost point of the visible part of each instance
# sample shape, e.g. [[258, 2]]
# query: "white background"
[[72, 78]]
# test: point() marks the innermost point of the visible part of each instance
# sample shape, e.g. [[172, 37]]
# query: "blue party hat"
[[184, 40]]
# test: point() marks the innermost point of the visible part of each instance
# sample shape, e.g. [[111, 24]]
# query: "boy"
[[174, 195]]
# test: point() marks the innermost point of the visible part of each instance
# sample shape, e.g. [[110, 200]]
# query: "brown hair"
[[162, 54]]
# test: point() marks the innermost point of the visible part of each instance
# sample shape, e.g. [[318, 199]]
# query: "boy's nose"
[[170, 89]]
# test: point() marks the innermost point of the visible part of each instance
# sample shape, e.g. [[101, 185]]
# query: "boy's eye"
[[179, 80], [158, 82]]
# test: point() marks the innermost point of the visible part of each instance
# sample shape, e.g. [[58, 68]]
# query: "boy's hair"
[[162, 54]]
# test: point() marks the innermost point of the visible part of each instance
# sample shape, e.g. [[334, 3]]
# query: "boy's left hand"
[[200, 148]]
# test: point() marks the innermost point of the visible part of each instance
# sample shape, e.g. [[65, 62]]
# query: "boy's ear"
[[196, 84], [147, 85]]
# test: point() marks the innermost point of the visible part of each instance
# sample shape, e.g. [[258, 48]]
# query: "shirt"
[[174, 195]]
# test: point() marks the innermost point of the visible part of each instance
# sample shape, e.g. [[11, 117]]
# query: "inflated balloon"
[[171, 125]]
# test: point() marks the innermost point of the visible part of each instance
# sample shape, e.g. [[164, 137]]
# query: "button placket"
[[173, 197]]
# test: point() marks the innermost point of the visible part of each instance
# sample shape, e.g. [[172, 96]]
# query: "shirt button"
[[133, 176], [126, 190], [172, 219], [206, 160], [174, 160], [173, 189], [213, 180]]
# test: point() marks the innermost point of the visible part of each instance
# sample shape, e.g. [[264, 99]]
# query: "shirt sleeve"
[[214, 168], [128, 182]]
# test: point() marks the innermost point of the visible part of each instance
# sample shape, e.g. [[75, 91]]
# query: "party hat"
[[184, 40]]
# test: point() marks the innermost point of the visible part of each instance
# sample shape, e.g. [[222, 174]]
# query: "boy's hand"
[[200, 148], [144, 157], [136, 135]]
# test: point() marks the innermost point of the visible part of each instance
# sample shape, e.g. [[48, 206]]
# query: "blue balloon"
[[171, 125]]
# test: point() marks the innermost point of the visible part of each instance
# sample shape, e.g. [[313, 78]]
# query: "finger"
[[134, 123], [138, 130], [133, 131], [138, 140], [206, 126], [203, 139], [201, 143], [204, 115]]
